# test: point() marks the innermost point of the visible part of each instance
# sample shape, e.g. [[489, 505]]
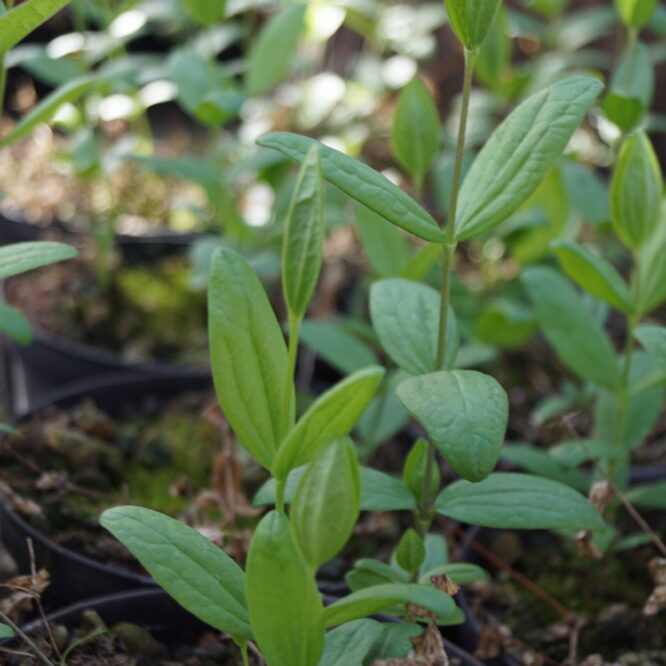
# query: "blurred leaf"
[[14, 324], [206, 12], [20, 21]]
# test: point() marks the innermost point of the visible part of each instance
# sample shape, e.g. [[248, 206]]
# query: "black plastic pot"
[[74, 576], [52, 361], [15, 230], [158, 613]]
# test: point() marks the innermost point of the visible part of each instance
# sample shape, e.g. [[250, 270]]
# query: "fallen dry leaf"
[[600, 494], [445, 584], [657, 600], [18, 503], [586, 546], [24, 590]]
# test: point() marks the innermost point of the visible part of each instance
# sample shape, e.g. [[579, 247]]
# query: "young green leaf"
[[520, 152], [248, 356], [505, 323], [471, 20], [327, 502], [631, 89], [635, 13], [518, 501], [653, 339], [206, 12], [374, 599], [652, 269], [332, 415], [384, 244], [414, 471], [361, 183], [303, 244], [381, 492], [405, 316], [200, 576], [415, 135], [21, 257], [636, 191], [578, 339], [594, 274], [411, 551], [495, 55], [47, 107], [349, 644], [282, 598], [14, 324], [458, 572], [649, 495], [23, 19], [368, 572], [274, 48], [464, 413]]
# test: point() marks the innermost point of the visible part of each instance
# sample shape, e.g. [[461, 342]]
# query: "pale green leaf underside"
[[248, 356], [520, 152], [379, 597], [464, 413], [518, 501], [200, 576], [362, 183], [653, 338], [332, 415], [405, 315], [21, 257]]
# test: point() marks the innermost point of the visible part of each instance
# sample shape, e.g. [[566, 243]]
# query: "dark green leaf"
[[648, 495]]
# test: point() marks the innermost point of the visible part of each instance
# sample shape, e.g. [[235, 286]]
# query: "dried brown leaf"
[[657, 600], [18, 503], [445, 584], [601, 492], [586, 546]]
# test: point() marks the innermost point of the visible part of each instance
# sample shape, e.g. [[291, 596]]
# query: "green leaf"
[[653, 339], [23, 19], [379, 597], [636, 191], [519, 154], [273, 49], [471, 19], [282, 597], [327, 502], [578, 339], [505, 323], [248, 356], [411, 551], [47, 107], [635, 13], [632, 88], [335, 345], [349, 644], [459, 572], [14, 324], [384, 244], [652, 270], [587, 193], [394, 641], [303, 244], [21, 257], [375, 572], [380, 492], [7, 632], [648, 495], [200, 576], [414, 471], [539, 462], [206, 12], [437, 552], [332, 415], [405, 315], [594, 274], [361, 183], [415, 134], [464, 413], [518, 501]]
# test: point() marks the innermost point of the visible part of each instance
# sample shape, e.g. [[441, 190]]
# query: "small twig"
[[26, 638], [38, 601], [631, 509], [516, 575]]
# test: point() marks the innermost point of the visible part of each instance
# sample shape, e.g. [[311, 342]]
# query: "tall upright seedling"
[[275, 601], [463, 412]]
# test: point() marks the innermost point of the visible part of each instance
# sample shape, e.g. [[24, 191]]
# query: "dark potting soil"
[[140, 311], [605, 595], [68, 465]]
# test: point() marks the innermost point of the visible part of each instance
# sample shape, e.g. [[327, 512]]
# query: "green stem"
[[38, 653], [280, 485], [243, 650]]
